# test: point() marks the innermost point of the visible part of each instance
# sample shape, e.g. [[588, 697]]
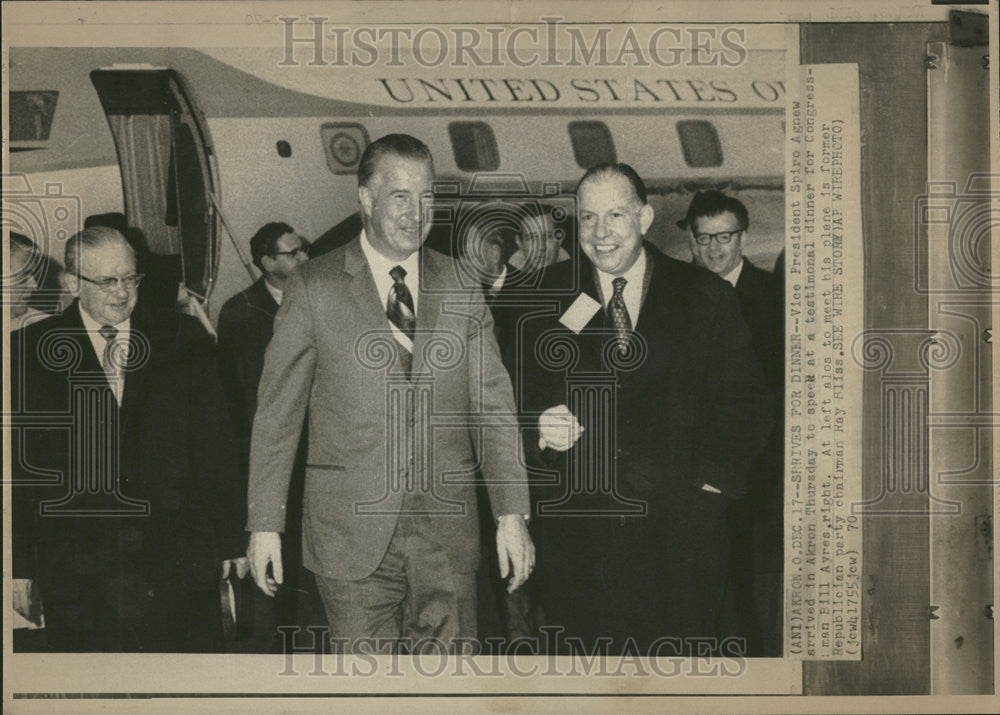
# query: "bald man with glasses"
[[126, 506]]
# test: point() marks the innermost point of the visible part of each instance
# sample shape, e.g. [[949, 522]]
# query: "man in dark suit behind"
[[646, 399], [246, 323], [718, 228], [378, 341], [125, 491]]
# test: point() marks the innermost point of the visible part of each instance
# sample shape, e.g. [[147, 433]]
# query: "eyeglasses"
[[723, 237], [108, 285], [293, 252]]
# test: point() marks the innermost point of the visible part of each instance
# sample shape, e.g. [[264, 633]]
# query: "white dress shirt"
[[97, 340], [380, 267], [276, 293], [634, 277]]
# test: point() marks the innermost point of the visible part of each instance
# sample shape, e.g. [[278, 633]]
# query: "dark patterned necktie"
[[108, 332], [619, 314], [399, 307]]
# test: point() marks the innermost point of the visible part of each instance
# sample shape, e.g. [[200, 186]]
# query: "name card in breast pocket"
[[580, 313]]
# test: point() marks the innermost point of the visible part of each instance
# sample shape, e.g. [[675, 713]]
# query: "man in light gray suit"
[[397, 367]]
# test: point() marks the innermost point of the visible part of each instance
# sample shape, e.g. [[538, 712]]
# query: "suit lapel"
[[143, 347], [659, 296], [589, 285], [429, 305], [370, 306], [662, 307], [261, 298], [661, 319], [593, 335], [89, 362]]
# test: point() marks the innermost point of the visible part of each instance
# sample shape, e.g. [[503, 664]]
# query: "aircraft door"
[[168, 174]]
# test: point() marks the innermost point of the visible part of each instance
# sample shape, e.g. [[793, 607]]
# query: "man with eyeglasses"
[[246, 324], [718, 228], [246, 321], [126, 496]]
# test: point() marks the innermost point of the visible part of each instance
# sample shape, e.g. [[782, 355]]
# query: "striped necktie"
[[108, 362], [399, 307], [399, 310]]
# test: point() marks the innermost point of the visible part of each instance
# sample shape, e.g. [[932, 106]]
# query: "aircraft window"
[[284, 149], [700, 143], [592, 144], [343, 142], [474, 146], [31, 115]]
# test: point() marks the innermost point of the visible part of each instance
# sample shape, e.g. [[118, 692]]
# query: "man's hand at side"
[[515, 550], [558, 429], [265, 547], [241, 566]]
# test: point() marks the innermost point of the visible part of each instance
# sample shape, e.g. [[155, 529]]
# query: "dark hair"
[[713, 203], [623, 170], [92, 237], [22, 242], [399, 144], [114, 219], [265, 241]]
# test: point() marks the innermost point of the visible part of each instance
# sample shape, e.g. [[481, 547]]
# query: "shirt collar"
[[497, 283], [634, 277], [92, 326], [734, 275], [276, 293], [380, 264], [380, 267]]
